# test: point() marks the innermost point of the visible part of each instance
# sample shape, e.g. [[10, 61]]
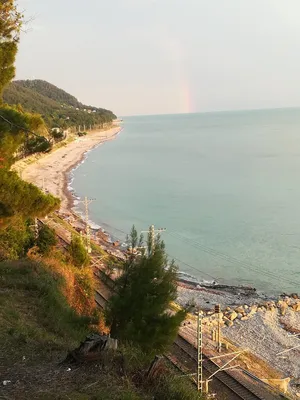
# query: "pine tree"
[[138, 312], [10, 25]]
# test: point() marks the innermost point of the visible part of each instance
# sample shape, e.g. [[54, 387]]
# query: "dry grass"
[[38, 327]]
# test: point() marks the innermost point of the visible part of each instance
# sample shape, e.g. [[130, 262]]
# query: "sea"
[[225, 186]]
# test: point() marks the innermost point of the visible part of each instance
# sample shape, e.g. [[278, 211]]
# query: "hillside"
[[38, 328], [57, 107]]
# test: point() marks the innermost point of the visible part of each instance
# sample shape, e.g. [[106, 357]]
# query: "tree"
[[138, 312], [16, 239], [46, 240], [10, 25], [18, 197], [78, 252], [19, 200], [37, 145]]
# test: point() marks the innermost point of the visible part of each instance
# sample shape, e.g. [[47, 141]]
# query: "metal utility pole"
[[86, 202], [20, 171], [152, 234], [200, 354], [81, 237], [35, 227], [88, 233], [218, 311]]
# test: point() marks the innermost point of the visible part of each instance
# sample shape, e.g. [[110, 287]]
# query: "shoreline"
[[67, 158], [50, 172], [69, 195]]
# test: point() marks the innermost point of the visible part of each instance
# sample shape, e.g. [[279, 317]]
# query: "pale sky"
[[166, 56]]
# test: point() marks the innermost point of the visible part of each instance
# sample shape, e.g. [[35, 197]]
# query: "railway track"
[[100, 300], [246, 388]]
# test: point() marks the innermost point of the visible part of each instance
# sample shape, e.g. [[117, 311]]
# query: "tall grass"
[[44, 288]]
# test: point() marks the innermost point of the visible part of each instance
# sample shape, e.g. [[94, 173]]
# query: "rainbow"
[[175, 50]]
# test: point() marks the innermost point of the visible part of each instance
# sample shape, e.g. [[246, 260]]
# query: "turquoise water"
[[225, 185]]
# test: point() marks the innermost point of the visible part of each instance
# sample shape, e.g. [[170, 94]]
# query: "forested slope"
[[57, 107]]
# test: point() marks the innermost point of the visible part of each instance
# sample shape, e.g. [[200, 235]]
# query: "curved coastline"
[[51, 171], [67, 190]]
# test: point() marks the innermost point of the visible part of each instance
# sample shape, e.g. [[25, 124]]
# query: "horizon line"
[[211, 112]]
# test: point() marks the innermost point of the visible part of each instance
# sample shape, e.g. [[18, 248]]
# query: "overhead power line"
[[220, 255], [233, 260], [22, 128], [194, 268]]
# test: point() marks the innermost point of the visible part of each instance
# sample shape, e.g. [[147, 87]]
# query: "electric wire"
[[230, 259]]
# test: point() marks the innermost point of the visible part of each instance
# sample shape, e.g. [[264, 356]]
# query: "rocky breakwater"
[[285, 307], [270, 330]]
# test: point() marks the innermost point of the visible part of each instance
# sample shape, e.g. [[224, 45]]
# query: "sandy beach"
[[51, 171]]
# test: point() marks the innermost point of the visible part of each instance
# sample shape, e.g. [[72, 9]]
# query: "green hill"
[[57, 107]]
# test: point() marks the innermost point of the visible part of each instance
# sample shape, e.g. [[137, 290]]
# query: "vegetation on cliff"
[[57, 107], [10, 25], [17, 198]]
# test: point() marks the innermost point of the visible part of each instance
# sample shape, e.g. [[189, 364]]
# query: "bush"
[[16, 239], [57, 136], [82, 133], [37, 145], [78, 252], [46, 240]]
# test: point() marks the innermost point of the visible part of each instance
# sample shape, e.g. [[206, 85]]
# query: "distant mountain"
[[57, 107]]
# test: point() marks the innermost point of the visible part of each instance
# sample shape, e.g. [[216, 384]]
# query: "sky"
[[139, 57]]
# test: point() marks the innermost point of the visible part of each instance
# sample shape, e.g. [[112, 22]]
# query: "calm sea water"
[[225, 185]]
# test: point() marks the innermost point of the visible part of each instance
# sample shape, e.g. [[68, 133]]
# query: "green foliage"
[[81, 133], [37, 144], [20, 197], [138, 312], [58, 108], [10, 25], [12, 131], [57, 136], [16, 196], [170, 386], [78, 252], [48, 305], [46, 240], [167, 385], [16, 239]]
